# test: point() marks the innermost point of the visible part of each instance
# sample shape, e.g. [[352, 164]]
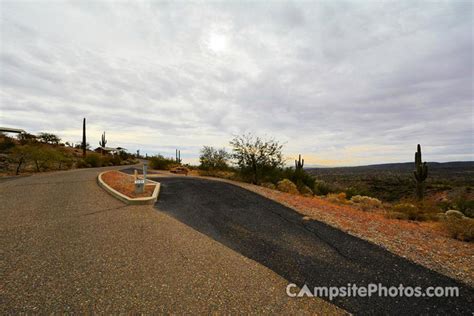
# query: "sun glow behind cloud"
[[217, 43]]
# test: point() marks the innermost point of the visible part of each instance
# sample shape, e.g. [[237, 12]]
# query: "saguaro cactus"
[[103, 142], [421, 173], [84, 144], [178, 156], [299, 163]]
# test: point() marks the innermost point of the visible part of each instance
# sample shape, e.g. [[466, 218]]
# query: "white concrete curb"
[[132, 201]]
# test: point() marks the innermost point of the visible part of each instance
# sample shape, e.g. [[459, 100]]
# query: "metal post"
[[145, 167]]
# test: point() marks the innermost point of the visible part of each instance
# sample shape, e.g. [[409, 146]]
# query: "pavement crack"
[[102, 211], [314, 232]]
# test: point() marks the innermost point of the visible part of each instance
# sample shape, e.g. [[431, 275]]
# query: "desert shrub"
[[322, 188], [445, 205], [6, 143], [124, 155], [460, 228], [44, 157], [299, 177], [411, 211], [396, 215], [454, 214], [256, 157], [305, 190], [26, 138], [338, 198], [81, 163], [269, 185], [20, 156], [287, 186], [366, 202], [67, 162], [93, 160], [218, 174], [106, 161], [161, 163], [211, 158], [114, 160], [463, 204], [353, 191]]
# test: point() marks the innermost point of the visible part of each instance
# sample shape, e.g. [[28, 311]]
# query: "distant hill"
[[400, 167], [393, 181]]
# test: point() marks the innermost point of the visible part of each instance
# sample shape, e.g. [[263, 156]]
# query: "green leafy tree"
[[49, 138], [214, 159], [256, 156]]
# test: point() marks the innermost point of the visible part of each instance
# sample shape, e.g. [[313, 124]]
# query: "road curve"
[[304, 252], [66, 246]]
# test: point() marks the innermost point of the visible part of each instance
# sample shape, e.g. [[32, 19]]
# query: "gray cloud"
[[343, 82]]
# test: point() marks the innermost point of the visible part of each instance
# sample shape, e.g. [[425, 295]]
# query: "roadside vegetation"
[[260, 161], [29, 153]]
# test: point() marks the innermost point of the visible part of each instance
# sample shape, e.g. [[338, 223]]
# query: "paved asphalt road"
[[303, 252], [66, 245]]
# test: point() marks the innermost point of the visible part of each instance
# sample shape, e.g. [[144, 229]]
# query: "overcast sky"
[[341, 82]]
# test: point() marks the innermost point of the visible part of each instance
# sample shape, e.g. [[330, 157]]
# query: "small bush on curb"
[[287, 186]]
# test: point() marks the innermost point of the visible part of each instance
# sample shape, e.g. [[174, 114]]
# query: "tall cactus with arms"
[[299, 163], [421, 173], [103, 142], [178, 156]]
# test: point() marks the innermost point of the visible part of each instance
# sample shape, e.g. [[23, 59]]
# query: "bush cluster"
[[322, 188], [94, 160], [418, 211], [40, 157], [460, 228], [340, 198], [287, 186], [366, 202], [161, 163]]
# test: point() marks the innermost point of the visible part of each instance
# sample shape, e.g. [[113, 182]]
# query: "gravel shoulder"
[[68, 246]]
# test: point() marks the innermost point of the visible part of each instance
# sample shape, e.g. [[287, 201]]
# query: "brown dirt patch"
[[125, 184]]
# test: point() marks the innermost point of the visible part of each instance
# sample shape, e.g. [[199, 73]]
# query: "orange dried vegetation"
[[125, 184]]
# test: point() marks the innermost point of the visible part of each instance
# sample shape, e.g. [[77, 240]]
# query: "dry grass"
[[460, 228], [125, 184]]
